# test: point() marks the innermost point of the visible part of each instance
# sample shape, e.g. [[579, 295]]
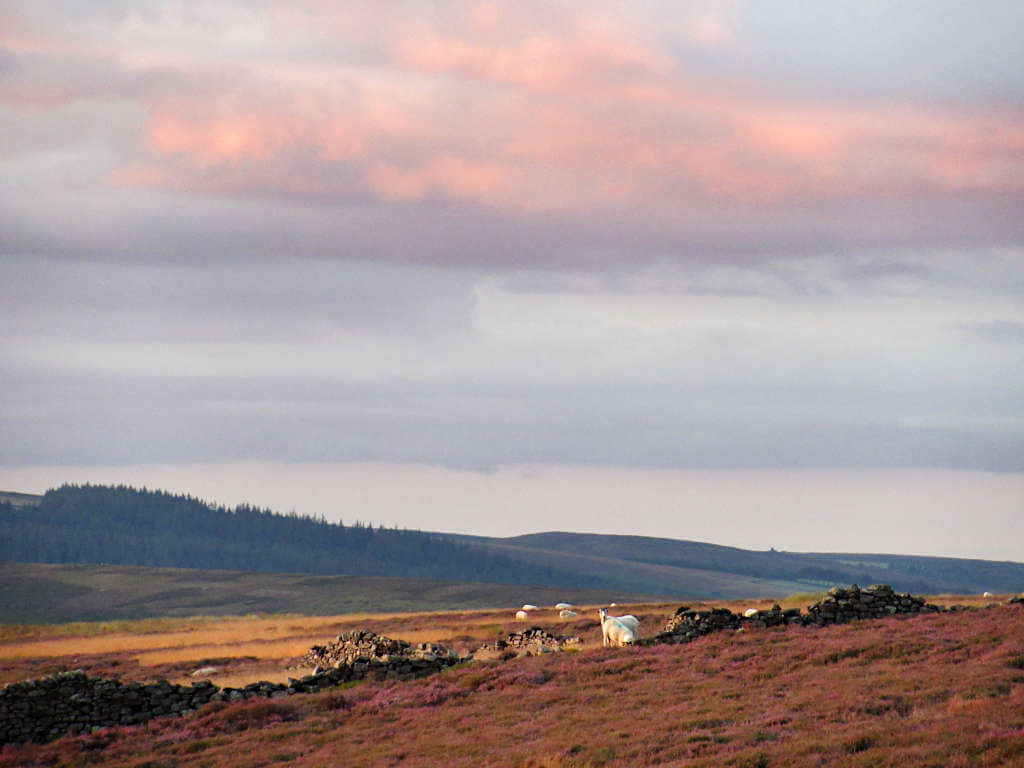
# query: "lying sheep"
[[565, 613], [528, 607], [614, 632], [563, 606], [522, 616], [751, 613]]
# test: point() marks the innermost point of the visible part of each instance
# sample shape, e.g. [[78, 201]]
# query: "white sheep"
[[631, 621], [614, 632], [522, 616], [987, 594], [565, 613], [751, 613], [563, 606], [528, 607]]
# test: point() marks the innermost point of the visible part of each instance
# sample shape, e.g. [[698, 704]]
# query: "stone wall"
[[530, 642], [375, 655], [842, 604], [851, 603], [73, 702], [688, 623]]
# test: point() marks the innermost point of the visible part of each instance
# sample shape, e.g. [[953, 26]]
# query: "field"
[[934, 690], [41, 593]]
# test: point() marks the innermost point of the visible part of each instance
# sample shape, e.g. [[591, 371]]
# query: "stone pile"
[[689, 623], [73, 702], [365, 654], [845, 604], [530, 642]]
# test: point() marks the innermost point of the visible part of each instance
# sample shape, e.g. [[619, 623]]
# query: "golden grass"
[[274, 649], [155, 642]]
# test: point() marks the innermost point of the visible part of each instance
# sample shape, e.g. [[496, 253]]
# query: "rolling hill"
[[130, 527]]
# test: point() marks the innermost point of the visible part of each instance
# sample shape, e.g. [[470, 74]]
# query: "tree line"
[[122, 525]]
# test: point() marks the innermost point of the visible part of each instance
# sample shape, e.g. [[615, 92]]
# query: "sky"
[[742, 272]]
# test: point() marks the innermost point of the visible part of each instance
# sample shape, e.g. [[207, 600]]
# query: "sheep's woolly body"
[[614, 631]]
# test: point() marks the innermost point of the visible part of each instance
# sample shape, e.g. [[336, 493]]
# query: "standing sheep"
[[629, 620], [614, 632]]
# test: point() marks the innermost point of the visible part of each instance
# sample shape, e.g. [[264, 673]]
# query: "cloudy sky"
[[747, 272]]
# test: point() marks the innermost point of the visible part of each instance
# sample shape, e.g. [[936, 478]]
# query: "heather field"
[[933, 690]]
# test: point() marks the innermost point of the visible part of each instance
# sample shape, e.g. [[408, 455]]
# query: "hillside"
[[126, 526], [942, 689], [915, 573], [40, 593], [20, 499]]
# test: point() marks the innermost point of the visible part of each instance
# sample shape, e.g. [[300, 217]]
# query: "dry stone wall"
[[842, 604], [365, 654], [845, 604], [530, 642], [73, 702], [689, 624]]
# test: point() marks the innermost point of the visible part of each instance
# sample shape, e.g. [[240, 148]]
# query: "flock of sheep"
[[615, 630]]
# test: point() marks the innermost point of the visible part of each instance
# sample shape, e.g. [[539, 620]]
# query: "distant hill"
[[677, 561], [20, 499], [127, 526]]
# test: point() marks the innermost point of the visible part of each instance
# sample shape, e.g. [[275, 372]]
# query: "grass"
[[933, 690], [38, 593]]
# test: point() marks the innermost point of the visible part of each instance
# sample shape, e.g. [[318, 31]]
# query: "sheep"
[[563, 606], [987, 594], [614, 632], [528, 607], [522, 616], [631, 621], [565, 613], [750, 613]]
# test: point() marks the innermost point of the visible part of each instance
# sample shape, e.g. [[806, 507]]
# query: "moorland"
[[942, 689]]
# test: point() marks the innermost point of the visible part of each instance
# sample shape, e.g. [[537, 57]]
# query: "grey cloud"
[[98, 419], [998, 331], [876, 50], [287, 299]]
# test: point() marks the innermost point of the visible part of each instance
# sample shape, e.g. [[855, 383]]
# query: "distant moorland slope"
[[45, 593], [126, 526]]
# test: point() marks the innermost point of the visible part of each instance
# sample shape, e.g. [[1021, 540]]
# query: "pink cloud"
[[493, 104]]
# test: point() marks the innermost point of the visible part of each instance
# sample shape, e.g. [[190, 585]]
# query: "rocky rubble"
[[842, 604], [688, 623], [845, 604], [530, 642], [367, 653]]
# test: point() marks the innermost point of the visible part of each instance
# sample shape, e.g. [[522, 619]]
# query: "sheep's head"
[[602, 613]]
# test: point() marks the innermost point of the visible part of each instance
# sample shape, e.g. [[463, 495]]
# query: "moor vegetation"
[[935, 690]]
